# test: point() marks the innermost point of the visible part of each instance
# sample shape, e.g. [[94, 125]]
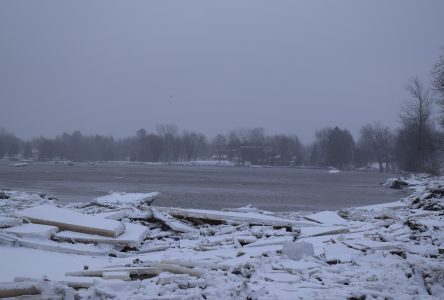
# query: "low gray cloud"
[[288, 66]]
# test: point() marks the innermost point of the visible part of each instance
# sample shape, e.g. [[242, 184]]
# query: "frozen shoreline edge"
[[366, 229]]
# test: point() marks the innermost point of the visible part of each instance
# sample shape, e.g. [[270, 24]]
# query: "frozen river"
[[276, 189]]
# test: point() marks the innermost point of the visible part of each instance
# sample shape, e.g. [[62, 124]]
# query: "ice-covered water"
[[209, 187]]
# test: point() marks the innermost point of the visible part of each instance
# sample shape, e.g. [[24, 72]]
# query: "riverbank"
[[392, 250]]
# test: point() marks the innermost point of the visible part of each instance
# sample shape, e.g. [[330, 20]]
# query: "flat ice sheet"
[[9, 222], [126, 198], [245, 217], [69, 220], [383, 206], [170, 222], [34, 263], [133, 236], [327, 217], [322, 230], [32, 230]]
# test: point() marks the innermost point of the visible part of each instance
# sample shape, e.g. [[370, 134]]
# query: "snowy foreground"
[[120, 246]]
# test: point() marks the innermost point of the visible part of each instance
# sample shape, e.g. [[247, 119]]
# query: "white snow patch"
[[327, 217], [297, 250]]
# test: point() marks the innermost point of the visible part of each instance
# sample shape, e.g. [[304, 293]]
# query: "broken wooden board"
[[171, 222], [326, 217], [32, 230], [132, 237], [68, 220], [233, 217], [9, 222]]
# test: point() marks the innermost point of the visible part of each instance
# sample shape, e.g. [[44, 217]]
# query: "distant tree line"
[[165, 145], [415, 146]]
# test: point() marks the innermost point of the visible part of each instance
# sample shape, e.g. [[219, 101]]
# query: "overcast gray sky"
[[211, 66]]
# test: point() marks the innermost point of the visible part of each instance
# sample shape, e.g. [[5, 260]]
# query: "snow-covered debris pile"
[[395, 183], [12, 201], [384, 251], [6, 222]]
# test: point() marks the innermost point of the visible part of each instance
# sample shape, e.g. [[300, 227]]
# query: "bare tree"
[[377, 140], [244, 144], [27, 151], [438, 84], [219, 144], [416, 110], [284, 150], [189, 141], [335, 147], [168, 133], [417, 137], [194, 145], [9, 143]]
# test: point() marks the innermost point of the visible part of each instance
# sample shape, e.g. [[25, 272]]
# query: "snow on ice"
[[384, 251]]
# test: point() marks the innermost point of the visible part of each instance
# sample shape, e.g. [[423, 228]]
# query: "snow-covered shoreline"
[[384, 251]]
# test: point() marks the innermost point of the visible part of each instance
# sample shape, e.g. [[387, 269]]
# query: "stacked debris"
[[129, 249], [12, 201], [395, 183]]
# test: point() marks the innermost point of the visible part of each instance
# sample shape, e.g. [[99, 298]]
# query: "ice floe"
[[125, 248]]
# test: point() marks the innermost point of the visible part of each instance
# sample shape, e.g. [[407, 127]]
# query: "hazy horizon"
[[293, 67]]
